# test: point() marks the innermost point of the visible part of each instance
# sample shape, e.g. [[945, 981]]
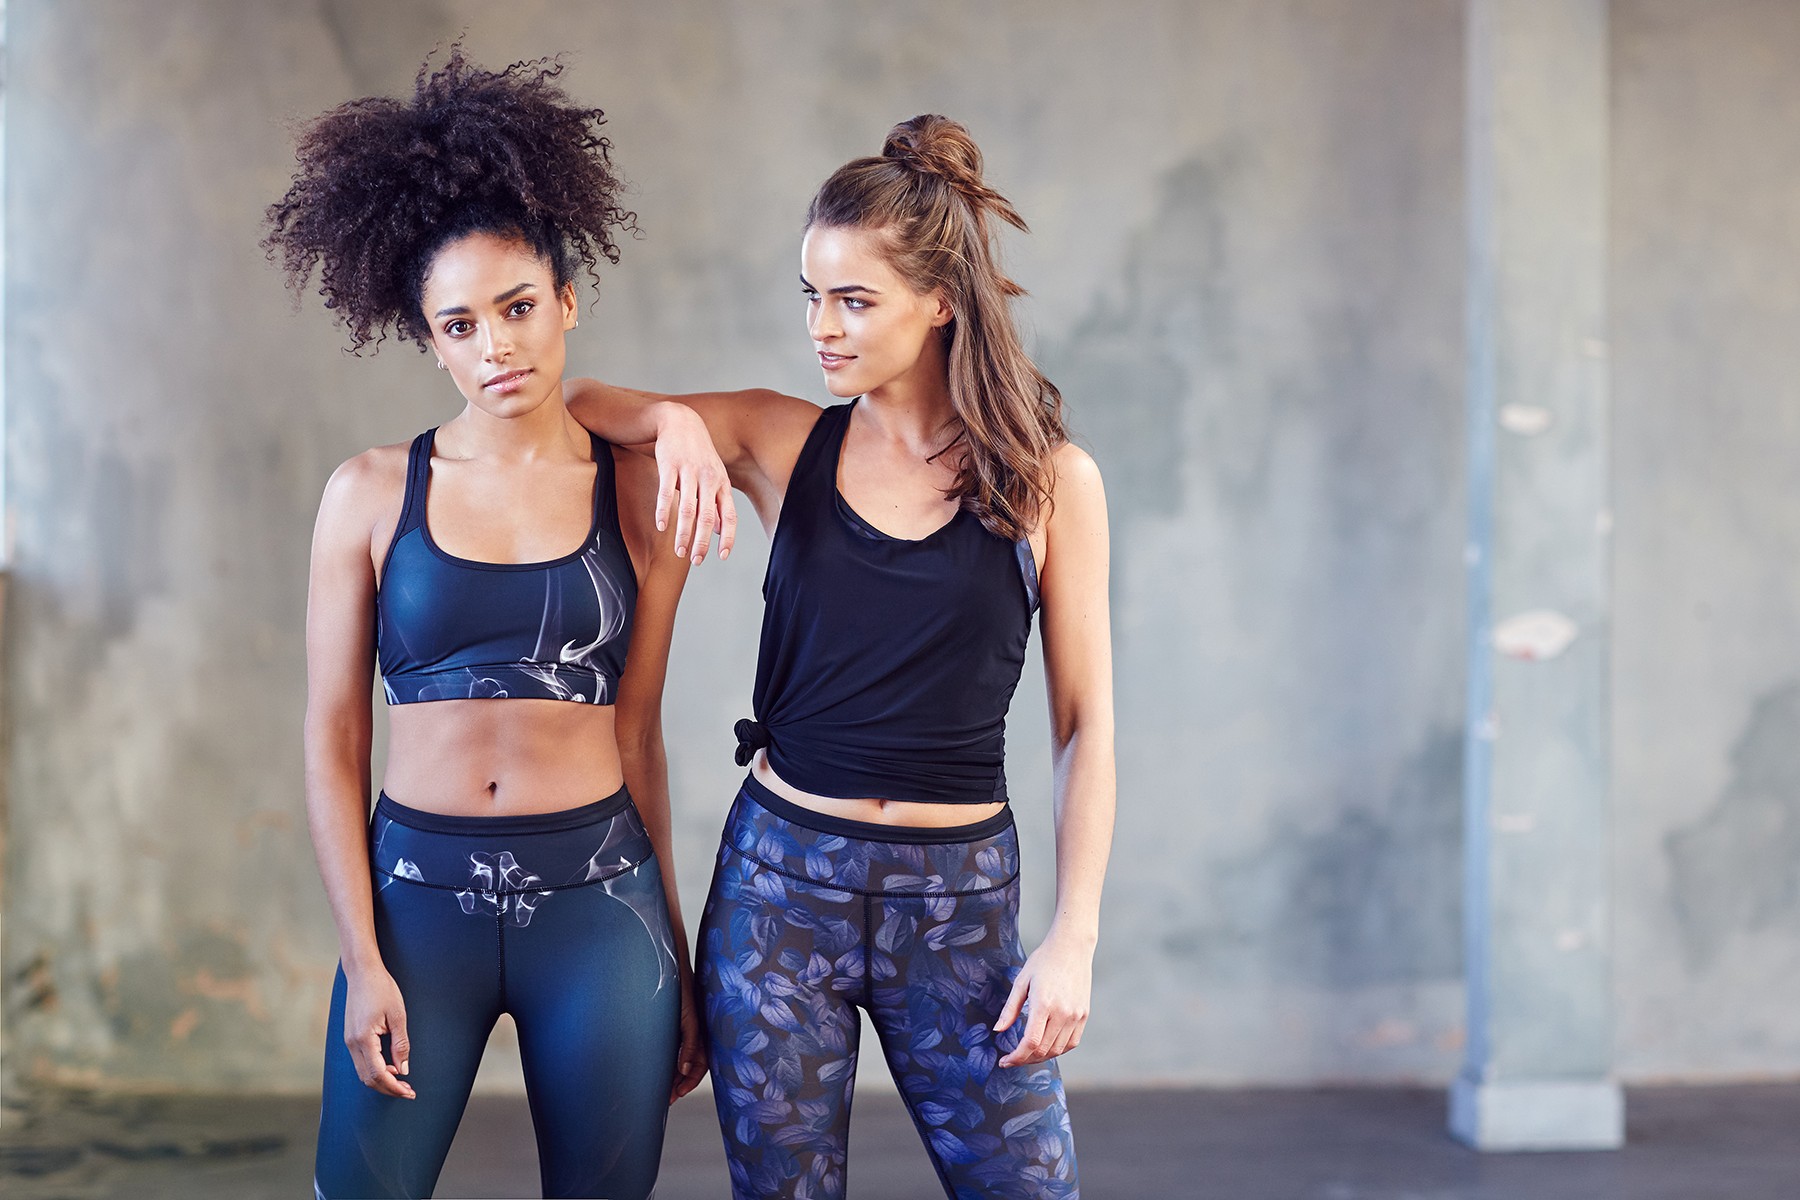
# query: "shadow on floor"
[[1716, 1143]]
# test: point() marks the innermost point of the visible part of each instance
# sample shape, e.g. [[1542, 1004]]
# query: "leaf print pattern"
[[804, 926]]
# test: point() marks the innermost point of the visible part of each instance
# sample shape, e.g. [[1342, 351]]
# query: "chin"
[[507, 407]]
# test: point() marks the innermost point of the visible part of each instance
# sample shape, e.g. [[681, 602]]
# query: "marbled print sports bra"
[[448, 628]]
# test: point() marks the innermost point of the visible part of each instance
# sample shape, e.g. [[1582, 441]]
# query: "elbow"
[[1075, 731], [640, 745]]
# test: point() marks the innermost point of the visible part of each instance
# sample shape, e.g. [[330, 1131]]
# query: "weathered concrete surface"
[[1536, 774], [1707, 435], [1245, 265], [1246, 270]]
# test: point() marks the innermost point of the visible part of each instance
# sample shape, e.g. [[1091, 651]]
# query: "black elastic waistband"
[[868, 831], [548, 822]]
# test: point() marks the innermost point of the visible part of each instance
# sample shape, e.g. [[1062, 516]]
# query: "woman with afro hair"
[[502, 570]]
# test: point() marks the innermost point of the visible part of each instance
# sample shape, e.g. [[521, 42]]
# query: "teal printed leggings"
[[558, 919]]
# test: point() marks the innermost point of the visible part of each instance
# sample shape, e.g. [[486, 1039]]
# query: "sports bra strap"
[[418, 477]]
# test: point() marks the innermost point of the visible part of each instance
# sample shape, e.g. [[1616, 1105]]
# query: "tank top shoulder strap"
[[815, 471], [418, 479]]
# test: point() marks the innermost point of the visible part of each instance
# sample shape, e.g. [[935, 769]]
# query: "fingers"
[[708, 515], [690, 1055], [665, 494], [1065, 1034], [1009, 1012], [399, 1045], [374, 1069], [688, 1072], [727, 521], [685, 513], [1031, 1047], [1052, 1031]]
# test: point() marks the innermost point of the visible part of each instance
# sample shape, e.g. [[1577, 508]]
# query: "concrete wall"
[[1707, 559], [1246, 274]]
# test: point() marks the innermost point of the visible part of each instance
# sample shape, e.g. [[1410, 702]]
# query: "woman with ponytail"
[[506, 867], [869, 859]]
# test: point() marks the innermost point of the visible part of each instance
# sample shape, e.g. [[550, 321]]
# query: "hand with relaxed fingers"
[[691, 479], [373, 1007], [1056, 982], [690, 1058]]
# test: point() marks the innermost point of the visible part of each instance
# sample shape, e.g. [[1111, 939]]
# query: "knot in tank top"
[[886, 664], [449, 628]]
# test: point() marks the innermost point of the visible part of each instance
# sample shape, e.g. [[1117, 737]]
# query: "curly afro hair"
[[384, 184]]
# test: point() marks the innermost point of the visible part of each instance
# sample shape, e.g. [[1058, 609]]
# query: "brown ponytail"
[[925, 200]]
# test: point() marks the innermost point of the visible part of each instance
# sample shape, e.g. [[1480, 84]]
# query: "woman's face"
[[497, 321], [868, 325]]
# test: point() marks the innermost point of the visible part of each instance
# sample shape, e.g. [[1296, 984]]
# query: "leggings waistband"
[[758, 793], [511, 823]]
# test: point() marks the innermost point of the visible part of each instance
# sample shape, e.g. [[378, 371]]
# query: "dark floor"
[[1722, 1143]]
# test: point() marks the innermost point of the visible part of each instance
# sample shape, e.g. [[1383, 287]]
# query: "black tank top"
[[886, 665]]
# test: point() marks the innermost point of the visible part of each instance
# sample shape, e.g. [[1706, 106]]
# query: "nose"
[[496, 345], [822, 324]]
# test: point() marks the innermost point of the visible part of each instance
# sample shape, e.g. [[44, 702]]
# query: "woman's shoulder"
[[373, 479], [1073, 470]]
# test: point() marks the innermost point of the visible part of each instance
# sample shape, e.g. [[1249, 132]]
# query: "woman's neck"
[[914, 408], [544, 432]]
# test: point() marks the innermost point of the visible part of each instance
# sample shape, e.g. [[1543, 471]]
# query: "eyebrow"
[[502, 298], [847, 289]]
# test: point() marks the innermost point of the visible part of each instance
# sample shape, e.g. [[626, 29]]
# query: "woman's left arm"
[[638, 721], [1057, 979]]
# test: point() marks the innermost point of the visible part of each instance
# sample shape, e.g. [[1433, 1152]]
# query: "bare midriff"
[[489, 758], [918, 814]]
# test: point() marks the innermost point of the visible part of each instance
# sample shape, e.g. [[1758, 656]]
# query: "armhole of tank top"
[[412, 501], [804, 469], [1028, 572], [824, 447], [806, 463]]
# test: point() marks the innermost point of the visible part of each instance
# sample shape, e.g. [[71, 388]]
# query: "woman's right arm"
[[340, 663], [758, 432]]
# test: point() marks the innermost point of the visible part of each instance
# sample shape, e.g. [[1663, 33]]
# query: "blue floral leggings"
[[811, 918]]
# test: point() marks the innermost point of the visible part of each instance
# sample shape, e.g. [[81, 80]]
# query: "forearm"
[[623, 416], [337, 812], [646, 770], [1086, 797]]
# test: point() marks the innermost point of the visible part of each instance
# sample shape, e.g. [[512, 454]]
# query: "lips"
[[832, 362], [507, 381]]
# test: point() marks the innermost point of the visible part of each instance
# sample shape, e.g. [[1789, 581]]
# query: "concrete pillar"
[[1538, 1068]]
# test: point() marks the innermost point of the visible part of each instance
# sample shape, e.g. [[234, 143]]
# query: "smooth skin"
[[879, 339], [512, 481]]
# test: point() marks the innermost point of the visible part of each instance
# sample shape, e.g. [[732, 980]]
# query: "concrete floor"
[[1717, 1143]]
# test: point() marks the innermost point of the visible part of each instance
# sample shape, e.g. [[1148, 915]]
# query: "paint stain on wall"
[[1737, 869]]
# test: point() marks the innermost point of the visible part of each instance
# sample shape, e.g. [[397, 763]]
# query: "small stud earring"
[[441, 365]]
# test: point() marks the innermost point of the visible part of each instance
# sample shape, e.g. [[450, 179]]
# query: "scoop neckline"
[[477, 564], [855, 518]]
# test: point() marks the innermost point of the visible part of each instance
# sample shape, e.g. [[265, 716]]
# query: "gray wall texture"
[[1246, 269]]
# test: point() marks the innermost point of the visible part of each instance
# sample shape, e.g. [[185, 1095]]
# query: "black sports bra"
[[451, 629]]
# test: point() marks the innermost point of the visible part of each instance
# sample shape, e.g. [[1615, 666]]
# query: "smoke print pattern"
[[562, 668]]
